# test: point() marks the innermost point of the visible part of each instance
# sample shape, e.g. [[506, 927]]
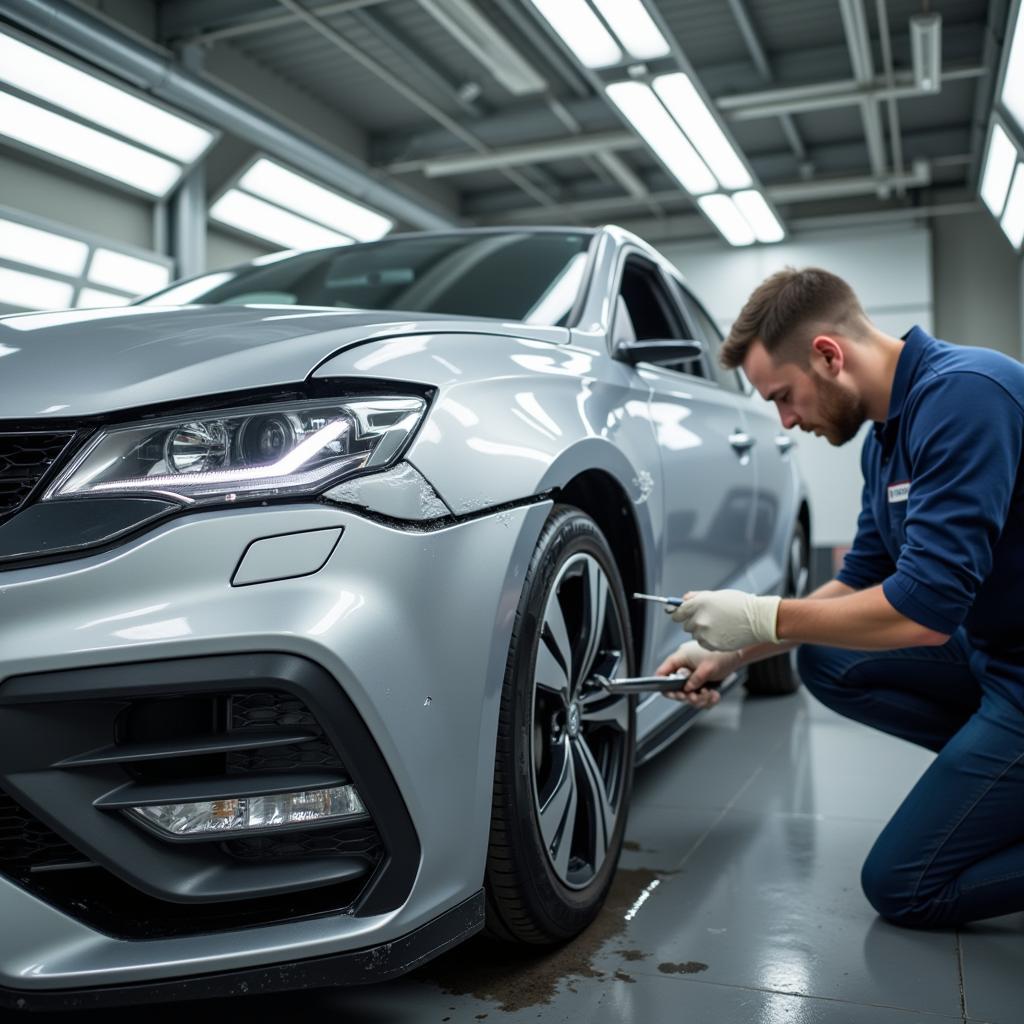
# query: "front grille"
[[25, 459]]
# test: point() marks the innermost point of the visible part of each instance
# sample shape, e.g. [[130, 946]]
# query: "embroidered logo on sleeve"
[[899, 492]]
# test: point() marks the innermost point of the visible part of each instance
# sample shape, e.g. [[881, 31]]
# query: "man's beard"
[[842, 412]]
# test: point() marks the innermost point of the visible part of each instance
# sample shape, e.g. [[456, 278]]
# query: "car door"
[[706, 476], [774, 469]]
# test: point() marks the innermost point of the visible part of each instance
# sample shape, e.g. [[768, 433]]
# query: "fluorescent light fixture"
[[300, 195], [30, 291], [758, 214], [129, 273], [724, 214], [995, 178], [581, 30], [482, 39], [264, 220], [95, 298], [926, 51], [1012, 222], [1012, 94], [78, 144], [634, 26], [641, 108], [36, 72], [44, 249], [684, 103]]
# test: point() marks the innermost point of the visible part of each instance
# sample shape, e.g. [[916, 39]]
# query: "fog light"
[[253, 812]]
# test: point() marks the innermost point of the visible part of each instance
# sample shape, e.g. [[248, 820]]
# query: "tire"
[[564, 756], [777, 676]]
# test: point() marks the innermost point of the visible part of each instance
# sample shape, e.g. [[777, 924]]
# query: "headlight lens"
[[298, 448]]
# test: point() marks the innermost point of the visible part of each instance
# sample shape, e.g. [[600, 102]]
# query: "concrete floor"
[[737, 900]]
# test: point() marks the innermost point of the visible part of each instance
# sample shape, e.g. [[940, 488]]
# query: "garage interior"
[[866, 128]]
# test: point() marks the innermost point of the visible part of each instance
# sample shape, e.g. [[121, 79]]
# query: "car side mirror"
[[656, 351]]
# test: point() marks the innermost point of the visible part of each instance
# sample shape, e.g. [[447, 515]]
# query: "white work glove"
[[705, 667], [726, 620]]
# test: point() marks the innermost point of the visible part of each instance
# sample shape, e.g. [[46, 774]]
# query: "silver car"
[[309, 570]]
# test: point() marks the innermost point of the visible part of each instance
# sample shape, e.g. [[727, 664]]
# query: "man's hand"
[[726, 620], [705, 669]]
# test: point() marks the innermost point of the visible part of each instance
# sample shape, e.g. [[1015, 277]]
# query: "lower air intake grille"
[[26, 843], [24, 461]]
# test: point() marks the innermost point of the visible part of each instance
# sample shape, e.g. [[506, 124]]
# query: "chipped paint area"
[[644, 483]]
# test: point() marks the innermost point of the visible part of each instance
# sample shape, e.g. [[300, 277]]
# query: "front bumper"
[[413, 627]]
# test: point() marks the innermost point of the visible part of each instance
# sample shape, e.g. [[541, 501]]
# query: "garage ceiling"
[[401, 87]]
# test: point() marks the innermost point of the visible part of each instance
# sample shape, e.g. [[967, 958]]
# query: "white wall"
[[889, 269]]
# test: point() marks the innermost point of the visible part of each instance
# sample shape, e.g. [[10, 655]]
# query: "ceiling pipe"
[[155, 71]]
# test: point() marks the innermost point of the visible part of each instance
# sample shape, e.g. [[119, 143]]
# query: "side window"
[[645, 310], [709, 333]]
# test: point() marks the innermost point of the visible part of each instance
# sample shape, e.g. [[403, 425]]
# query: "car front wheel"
[[565, 748]]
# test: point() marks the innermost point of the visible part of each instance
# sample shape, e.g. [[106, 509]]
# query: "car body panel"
[[169, 595]]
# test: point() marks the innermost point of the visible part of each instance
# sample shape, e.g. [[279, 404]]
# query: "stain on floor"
[[690, 967], [517, 977]]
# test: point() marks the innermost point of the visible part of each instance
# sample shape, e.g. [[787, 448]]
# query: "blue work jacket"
[[942, 517]]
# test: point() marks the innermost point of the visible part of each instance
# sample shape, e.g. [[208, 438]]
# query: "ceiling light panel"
[[1012, 221], [581, 30], [726, 216], [926, 51], [293, 192], [759, 215], [30, 291], [1012, 93], [685, 104], [44, 249], [127, 273], [999, 160], [644, 111], [635, 28], [265, 220], [36, 72], [95, 298], [59, 136]]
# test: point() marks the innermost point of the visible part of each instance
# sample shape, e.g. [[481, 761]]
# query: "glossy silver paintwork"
[[518, 413]]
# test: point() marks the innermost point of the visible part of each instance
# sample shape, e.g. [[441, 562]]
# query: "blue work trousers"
[[954, 851]]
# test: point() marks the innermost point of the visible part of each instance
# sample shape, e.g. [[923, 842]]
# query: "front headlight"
[[286, 449]]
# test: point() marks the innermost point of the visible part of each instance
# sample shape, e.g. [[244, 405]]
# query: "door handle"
[[741, 441], [784, 442]]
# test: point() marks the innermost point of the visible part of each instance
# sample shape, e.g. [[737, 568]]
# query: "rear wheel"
[[778, 675], [564, 758]]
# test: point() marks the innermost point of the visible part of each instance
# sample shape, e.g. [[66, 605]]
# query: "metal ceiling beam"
[[408, 92], [760, 59], [787, 194], [199, 21], [895, 139], [752, 106], [859, 44], [150, 68], [514, 156]]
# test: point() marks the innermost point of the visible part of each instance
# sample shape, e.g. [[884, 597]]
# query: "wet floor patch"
[[517, 977]]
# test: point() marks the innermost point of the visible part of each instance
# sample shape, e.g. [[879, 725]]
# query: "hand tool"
[[677, 601], [642, 684]]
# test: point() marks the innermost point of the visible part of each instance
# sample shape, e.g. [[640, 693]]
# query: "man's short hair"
[[784, 308]]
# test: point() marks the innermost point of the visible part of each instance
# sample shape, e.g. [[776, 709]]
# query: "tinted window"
[[512, 275], [652, 315]]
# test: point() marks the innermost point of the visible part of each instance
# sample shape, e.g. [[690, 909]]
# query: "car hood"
[[84, 362]]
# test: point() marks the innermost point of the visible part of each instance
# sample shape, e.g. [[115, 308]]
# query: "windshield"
[[511, 275]]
